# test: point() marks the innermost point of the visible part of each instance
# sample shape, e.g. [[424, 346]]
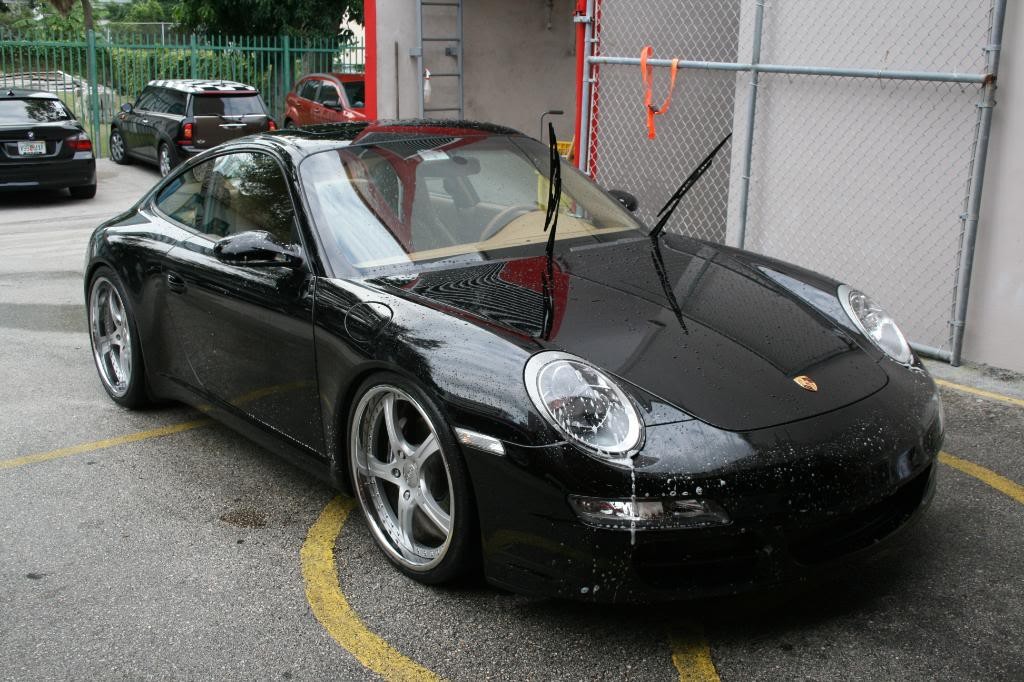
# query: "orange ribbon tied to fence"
[[647, 73]]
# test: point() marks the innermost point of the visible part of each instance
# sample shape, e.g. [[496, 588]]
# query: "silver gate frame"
[[984, 127]]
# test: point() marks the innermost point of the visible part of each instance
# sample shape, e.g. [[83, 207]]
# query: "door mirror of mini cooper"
[[628, 200], [332, 104], [257, 249], [126, 108]]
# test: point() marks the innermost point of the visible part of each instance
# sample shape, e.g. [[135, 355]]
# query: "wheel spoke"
[[425, 449], [374, 468], [398, 443], [116, 315], [104, 345], [433, 511], [405, 513]]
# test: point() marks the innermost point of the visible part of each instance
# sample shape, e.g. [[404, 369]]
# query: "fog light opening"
[[649, 514]]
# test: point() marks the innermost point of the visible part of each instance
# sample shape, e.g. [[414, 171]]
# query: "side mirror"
[[629, 201], [257, 249], [126, 108]]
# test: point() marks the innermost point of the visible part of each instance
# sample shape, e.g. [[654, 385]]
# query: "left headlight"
[[584, 404], [875, 323]]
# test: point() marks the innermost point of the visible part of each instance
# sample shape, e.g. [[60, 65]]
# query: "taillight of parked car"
[[186, 134], [271, 125], [80, 143]]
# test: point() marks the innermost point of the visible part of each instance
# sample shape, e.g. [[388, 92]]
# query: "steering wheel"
[[506, 216]]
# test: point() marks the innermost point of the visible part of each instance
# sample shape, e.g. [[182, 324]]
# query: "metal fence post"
[[988, 101], [94, 88], [583, 163], [748, 143], [288, 67], [195, 56]]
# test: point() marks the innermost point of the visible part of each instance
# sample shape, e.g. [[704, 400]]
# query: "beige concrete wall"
[[516, 68], [396, 25], [995, 320]]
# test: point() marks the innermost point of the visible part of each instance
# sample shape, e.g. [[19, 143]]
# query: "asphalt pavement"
[[129, 550]]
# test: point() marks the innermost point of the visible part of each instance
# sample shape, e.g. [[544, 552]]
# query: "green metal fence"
[[94, 75]]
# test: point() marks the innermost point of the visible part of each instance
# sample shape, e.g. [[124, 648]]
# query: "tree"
[[268, 17], [65, 7]]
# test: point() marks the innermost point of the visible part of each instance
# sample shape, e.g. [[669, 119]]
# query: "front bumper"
[[48, 174], [802, 498]]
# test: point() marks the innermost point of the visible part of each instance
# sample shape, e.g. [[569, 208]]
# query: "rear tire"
[[83, 192], [118, 148], [114, 338], [167, 159], [289, 124]]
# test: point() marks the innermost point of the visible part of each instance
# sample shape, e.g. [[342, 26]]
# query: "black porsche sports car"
[[506, 367]]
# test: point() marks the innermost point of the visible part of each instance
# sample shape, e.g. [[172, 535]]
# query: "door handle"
[[145, 120], [175, 283]]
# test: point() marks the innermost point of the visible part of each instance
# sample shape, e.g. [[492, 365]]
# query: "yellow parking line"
[[984, 394], [986, 476], [101, 444], [691, 655], [323, 591]]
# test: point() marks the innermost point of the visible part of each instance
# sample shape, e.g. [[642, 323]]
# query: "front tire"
[[118, 147], [114, 338], [410, 480], [166, 158]]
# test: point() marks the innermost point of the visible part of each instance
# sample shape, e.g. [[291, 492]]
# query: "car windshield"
[[233, 105], [410, 202], [22, 111], [355, 92]]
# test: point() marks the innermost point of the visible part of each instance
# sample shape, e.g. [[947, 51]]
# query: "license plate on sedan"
[[31, 148]]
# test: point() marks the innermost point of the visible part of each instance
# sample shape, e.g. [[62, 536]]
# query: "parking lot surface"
[[155, 544]]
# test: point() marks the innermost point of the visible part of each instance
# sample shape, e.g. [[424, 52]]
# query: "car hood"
[[681, 319]]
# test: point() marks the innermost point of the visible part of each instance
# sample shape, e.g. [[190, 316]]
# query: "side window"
[[160, 101], [328, 92], [309, 88], [182, 199], [176, 103], [146, 99], [247, 191]]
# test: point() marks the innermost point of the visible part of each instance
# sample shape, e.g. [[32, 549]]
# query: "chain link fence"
[[859, 122]]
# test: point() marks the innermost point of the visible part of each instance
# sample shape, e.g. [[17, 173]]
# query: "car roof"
[[370, 131], [299, 143], [22, 93], [342, 77], [204, 87]]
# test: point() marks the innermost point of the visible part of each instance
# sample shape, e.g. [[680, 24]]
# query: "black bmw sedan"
[[508, 370], [42, 146]]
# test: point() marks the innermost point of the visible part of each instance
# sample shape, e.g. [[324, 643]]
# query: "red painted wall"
[[370, 17]]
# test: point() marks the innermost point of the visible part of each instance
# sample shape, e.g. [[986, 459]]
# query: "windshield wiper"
[[670, 206], [551, 223], [554, 194]]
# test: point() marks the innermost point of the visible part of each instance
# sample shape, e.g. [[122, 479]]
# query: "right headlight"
[[875, 323], [583, 404]]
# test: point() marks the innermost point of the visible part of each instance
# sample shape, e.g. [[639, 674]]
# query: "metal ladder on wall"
[[441, 55]]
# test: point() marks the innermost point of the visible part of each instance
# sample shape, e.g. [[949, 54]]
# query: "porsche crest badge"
[[806, 383]]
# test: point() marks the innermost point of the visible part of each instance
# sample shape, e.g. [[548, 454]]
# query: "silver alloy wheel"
[[111, 338], [116, 146], [401, 477], [165, 160]]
